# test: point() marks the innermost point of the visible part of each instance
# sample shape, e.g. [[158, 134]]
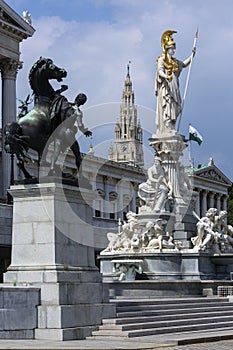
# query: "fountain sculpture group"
[[166, 233]]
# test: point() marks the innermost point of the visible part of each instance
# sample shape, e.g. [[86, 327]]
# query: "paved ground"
[[221, 345], [146, 343], [119, 344]]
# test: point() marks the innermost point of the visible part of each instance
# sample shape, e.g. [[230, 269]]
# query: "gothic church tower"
[[128, 131]]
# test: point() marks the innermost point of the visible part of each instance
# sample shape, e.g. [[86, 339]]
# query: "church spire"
[[128, 93], [128, 75], [128, 134]]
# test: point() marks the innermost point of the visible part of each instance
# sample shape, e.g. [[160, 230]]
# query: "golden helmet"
[[167, 39]]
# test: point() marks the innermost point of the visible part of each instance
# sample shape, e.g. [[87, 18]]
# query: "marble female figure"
[[168, 69], [157, 189]]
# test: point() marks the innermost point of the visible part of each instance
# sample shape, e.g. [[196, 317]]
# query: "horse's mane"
[[39, 63]]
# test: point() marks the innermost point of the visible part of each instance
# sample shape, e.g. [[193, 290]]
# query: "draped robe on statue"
[[168, 97]]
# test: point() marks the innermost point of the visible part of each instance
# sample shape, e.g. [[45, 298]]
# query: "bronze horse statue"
[[34, 129]]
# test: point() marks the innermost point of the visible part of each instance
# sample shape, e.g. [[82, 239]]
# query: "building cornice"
[[14, 24]]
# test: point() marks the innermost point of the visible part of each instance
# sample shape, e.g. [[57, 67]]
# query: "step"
[[167, 301], [168, 323], [168, 317], [189, 328], [148, 313], [184, 338], [139, 318], [139, 307], [162, 330]]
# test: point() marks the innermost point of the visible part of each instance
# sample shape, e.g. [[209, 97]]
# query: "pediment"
[[214, 174], [14, 23]]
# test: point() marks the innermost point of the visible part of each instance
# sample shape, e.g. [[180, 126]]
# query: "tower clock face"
[[124, 147]]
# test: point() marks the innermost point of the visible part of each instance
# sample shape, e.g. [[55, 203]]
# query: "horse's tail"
[[15, 142]]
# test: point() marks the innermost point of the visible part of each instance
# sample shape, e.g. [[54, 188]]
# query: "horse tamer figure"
[[51, 109]]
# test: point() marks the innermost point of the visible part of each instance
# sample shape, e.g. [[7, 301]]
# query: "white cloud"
[[95, 54]]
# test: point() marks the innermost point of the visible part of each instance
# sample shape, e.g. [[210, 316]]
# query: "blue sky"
[[94, 40]]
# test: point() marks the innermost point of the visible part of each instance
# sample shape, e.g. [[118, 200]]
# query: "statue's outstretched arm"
[[188, 60], [79, 118]]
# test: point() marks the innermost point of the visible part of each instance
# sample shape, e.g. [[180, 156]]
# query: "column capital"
[[225, 196], [9, 68]]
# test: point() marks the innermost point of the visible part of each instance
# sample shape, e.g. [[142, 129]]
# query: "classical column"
[[204, 203], [211, 197], [224, 202], [218, 203], [9, 69], [197, 204]]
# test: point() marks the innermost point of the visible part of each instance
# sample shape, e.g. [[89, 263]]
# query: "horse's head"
[[54, 72], [40, 74]]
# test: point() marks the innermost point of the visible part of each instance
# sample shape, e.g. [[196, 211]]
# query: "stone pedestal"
[[145, 216], [52, 248], [169, 147], [171, 266], [185, 225]]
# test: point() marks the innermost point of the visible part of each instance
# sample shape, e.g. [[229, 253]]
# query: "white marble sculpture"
[[153, 237], [168, 69], [156, 191], [27, 17], [213, 233], [135, 238], [127, 269]]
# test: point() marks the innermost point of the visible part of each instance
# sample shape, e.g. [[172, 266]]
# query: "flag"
[[194, 135]]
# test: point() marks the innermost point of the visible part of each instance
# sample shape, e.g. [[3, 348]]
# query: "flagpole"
[[190, 155], [188, 78]]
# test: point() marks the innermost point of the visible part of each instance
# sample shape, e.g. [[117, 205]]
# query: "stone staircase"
[[138, 318], [18, 311]]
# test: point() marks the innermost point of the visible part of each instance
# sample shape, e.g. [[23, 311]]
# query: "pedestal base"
[[171, 266], [53, 250], [152, 289]]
